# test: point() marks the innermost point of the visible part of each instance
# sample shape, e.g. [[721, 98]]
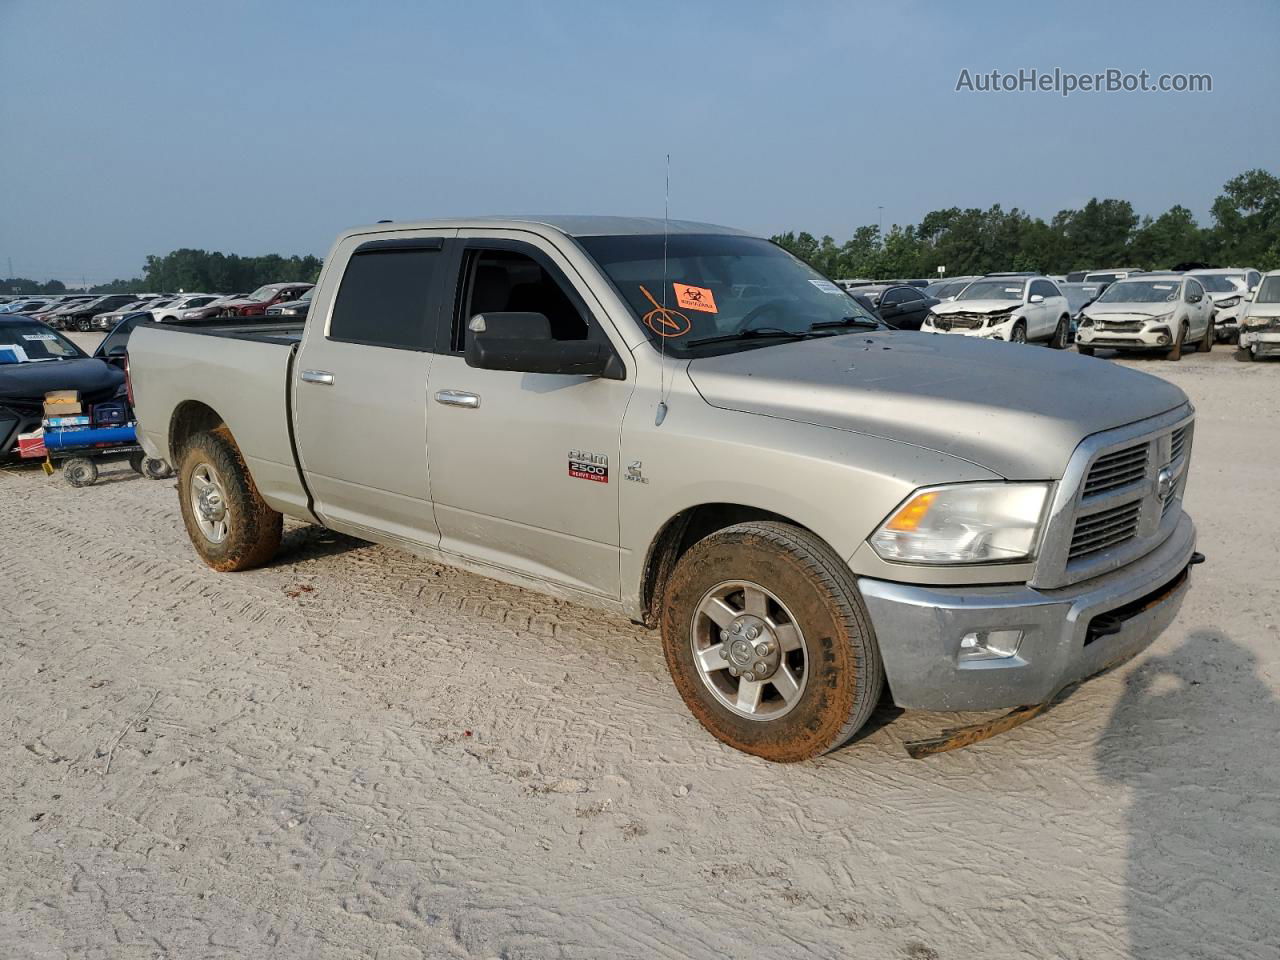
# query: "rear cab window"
[[385, 295]]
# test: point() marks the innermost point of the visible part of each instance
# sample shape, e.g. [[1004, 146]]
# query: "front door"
[[524, 466], [360, 386]]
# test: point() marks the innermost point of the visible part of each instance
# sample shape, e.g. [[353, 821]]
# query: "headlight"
[[929, 318], [1085, 321], [1163, 318], [1256, 320], [1229, 302], [996, 319], [964, 523]]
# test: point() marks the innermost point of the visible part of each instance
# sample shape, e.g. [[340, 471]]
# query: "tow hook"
[[1196, 558]]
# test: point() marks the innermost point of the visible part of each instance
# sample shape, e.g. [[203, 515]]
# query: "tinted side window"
[[890, 297], [506, 281], [910, 294], [384, 296]]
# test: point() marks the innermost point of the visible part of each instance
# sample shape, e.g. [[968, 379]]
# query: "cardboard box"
[[61, 409], [62, 423], [62, 396]]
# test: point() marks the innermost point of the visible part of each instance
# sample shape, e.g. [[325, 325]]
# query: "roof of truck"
[[573, 225]]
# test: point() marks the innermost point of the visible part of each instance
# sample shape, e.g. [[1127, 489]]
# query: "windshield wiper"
[[755, 333], [846, 322]]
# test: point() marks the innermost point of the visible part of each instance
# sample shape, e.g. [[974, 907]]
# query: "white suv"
[[1158, 312], [1017, 307], [1260, 322]]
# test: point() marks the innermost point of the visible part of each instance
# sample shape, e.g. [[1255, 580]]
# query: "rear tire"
[[1210, 337], [826, 674], [229, 523], [1059, 339]]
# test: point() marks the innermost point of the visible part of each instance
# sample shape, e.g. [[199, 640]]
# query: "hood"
[[1018, 411], [95, 379], [1215, 296], [1140, 311], [976, 306]]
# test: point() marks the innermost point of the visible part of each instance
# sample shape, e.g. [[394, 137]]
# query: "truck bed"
[[235, 373]]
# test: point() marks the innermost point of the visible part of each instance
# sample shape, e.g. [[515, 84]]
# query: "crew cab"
[[685, 424]]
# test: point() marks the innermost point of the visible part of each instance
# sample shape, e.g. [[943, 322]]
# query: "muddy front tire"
[[229, 523], [768, 642]]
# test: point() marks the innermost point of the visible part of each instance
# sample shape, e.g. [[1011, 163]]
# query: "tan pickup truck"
[[685, 424]]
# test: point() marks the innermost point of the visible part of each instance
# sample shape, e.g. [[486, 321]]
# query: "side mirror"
[[119, 350], [1037, 298], [521, 342], [1249, 295]]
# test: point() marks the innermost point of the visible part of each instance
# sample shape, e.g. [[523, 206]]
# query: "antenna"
[[661, 413]]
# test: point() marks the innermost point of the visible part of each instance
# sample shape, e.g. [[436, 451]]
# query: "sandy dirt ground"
[[356, 753]]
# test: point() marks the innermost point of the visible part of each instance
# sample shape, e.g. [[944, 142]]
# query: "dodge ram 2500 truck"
[[685, 424]]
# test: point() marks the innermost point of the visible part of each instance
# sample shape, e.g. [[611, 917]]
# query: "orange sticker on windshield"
[[695, 298]]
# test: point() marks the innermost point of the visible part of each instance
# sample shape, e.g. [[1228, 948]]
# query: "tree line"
[[1104, 233], [192, 270]]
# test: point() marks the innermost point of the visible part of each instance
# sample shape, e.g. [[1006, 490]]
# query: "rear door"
[[524, 466], [360, 385]]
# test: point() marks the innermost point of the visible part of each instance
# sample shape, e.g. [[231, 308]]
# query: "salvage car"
[[1019, 308], [1228, 289], [1260, 324], [292, 308], [685, 424], [949, 288], [901, 306], [256, 303], [1151, 312], [35, 360]]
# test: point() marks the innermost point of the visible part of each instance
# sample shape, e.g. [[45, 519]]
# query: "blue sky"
[[138, 126]]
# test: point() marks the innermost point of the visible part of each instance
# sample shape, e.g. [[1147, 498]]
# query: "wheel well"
[[190, 418], [680, 533]]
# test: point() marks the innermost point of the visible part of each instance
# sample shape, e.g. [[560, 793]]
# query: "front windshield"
[[1141, 291], [717, 285], [1221, 282], [1269, 291], [992, 290], [1101, 278], [262, 294], [30, 342]]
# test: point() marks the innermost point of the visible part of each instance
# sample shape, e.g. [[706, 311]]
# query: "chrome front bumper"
[[1068, 634]]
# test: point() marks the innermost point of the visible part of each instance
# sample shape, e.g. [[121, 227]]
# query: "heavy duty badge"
[[588, 466]]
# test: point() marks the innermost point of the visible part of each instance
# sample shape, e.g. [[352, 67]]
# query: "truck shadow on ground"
[[1204, 848], [306, 542]]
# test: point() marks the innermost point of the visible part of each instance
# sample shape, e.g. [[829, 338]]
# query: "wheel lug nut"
[[733, 671], [737, 628], [752, 633], [761, 667], [763, 649], [748, 676], [724, 634]]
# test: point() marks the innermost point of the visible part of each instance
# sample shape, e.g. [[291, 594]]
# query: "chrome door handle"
[[458, 398], [318, 376]]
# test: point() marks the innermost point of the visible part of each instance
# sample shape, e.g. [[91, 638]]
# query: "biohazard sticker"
[[694, 298], [588, 466]]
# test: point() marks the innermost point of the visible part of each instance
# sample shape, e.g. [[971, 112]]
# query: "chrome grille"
[[1109, 509], [1104, 529], [1116, 470]]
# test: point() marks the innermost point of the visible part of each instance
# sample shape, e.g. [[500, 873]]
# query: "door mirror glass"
[[521, 342]]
